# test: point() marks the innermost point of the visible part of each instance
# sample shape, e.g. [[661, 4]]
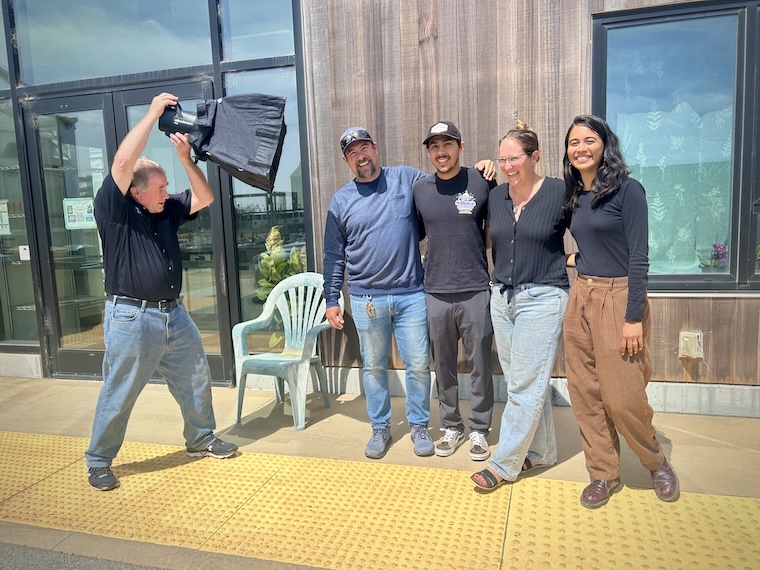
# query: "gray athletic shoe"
[[102, 478], [423, 445], [217, 448], [379, 443]]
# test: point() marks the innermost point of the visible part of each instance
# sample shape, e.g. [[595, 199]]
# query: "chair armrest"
[[241, 331], [311, 338]]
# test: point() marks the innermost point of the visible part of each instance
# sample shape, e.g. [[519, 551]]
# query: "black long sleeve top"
[[531, 249], [612, 239]]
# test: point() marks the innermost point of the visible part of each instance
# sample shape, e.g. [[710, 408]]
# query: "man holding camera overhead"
[[146, 327]]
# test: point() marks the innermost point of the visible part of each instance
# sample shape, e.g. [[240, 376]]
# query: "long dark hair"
[[612, 171]]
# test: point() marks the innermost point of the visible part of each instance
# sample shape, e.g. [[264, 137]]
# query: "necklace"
[[516, 205]]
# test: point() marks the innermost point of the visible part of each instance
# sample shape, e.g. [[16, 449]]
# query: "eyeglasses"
[[353, 136], [511, 159]]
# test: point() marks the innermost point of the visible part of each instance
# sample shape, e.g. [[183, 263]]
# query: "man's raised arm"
[[134, 143]]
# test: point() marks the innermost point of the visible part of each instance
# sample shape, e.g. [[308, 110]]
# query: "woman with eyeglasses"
[[607, 323], [526, 222]]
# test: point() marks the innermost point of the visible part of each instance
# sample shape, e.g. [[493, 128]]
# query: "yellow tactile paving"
[[360, 515], [343, 514], [166, 497], [636, 530], [26, 459]]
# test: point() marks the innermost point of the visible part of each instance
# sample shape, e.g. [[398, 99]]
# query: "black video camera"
[[176, 120]]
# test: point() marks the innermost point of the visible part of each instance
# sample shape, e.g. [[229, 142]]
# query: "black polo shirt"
[[141, 253]]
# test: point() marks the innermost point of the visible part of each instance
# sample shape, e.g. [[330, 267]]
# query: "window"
[[670, 85], [4, 74], [256, 33], [18, 317], [68, 41], [257, 211]]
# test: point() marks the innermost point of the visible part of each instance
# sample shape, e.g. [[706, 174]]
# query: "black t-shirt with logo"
[[452, 215]]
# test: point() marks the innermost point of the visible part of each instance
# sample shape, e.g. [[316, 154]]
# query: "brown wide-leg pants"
[[607, 391]]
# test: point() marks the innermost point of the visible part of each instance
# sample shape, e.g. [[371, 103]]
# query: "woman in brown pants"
[[606, 327]]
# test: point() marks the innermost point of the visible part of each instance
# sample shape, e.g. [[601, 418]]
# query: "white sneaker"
[[479, 446], [451, 440]]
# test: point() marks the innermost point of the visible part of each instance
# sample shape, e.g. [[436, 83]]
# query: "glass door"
[[76, 139], [69, 163]]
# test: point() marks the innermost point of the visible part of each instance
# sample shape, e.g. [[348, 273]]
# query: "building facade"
[[77, 75], [678, 81]]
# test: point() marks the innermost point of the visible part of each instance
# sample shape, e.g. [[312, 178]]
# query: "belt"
[[165, 305]]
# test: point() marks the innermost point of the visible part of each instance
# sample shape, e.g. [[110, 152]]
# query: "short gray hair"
[[144, 168]]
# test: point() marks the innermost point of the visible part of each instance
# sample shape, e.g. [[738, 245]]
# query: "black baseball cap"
[[445, 128], [353, 134]]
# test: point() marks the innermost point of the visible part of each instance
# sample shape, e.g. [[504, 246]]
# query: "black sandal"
[[491, 481], [528, 465]]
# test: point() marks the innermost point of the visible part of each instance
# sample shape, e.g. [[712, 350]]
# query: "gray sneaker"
[[217, 448], [423, 445], [479, 446], [102, 478], [452, 437], [379, 443]]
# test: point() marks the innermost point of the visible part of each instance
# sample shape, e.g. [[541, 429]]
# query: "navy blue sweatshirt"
[[372, 232]]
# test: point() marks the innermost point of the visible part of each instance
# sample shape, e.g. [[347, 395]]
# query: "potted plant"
[[277, 263], [717, 259], [274, 265]]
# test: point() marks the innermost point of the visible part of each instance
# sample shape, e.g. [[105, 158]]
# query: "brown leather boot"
[[599, 492], [665, 482]]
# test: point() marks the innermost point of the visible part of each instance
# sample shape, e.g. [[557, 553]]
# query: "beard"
[[366, 171]]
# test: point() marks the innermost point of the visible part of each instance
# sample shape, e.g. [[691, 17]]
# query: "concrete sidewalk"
[[712, 455]]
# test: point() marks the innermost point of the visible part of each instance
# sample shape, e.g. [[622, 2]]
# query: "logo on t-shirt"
[[465, 202]]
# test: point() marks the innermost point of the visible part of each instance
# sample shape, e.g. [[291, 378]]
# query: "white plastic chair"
[[298, 300]]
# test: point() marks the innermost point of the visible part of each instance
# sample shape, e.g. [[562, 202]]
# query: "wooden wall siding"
[[397, 66], [731, 336]]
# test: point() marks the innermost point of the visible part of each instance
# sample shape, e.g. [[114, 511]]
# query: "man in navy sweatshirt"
[[372, 233]]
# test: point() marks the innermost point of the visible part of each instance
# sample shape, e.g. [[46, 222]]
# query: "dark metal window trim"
[[746, 126]]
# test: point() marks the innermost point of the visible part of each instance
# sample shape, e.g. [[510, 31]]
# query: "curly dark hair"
[[612, 171]]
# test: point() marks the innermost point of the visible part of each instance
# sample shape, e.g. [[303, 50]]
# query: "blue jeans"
[[140, 343], [527, 330], [405, 317]]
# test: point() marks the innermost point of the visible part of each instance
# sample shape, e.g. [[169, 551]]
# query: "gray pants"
[[452, 316]]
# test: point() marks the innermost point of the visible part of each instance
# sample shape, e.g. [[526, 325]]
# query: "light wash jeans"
[[527, 330], [405, 317], [138, 344]]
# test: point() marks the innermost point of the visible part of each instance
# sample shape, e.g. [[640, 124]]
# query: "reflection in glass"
[[670, 99], [257, 211], [73, 152], [69, 41], [264, 32], [4, 76], [18, 314], [757, 247], [198, 277]]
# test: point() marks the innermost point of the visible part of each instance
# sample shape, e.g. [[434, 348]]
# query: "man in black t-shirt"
[[451, 206], [146, 327]]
